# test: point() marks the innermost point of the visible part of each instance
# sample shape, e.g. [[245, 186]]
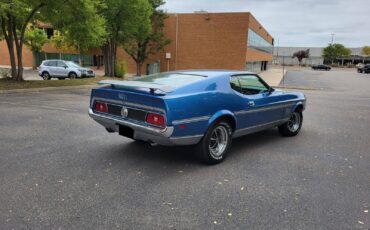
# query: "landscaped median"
[[7, 84]]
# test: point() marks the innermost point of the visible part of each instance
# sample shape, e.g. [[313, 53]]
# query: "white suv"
[[63, 69]]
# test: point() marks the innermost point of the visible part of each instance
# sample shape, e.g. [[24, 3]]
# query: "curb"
[[47, 89]]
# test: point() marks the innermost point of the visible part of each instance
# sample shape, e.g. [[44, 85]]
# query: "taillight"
[[156, 119], [101, 107]]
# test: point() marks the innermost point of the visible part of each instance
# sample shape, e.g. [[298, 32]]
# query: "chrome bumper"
[[146, 133]]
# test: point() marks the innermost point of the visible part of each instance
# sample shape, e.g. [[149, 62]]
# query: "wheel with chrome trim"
[[215, 144], [293, 125]]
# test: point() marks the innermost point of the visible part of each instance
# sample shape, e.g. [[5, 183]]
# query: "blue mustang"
[[202, 108]]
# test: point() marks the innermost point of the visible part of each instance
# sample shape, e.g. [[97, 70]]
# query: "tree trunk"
[[138, 68], [110, 53], [7, 31], [34, 63]]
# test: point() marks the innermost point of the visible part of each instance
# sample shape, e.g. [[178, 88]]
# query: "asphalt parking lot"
[[61, 170]]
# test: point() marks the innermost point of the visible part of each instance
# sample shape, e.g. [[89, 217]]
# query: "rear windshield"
[[173, 79]]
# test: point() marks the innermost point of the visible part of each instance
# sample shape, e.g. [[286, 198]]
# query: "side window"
[[61, 64], [251, 84], [52, 63], [235, 84]]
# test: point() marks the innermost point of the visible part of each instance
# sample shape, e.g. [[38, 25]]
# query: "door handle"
[[251, 103]]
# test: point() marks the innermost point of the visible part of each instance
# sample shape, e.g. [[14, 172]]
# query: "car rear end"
[[133, 114], [140, 109]]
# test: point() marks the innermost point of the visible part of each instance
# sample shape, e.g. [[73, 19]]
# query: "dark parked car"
[[321, 67], [364, 69]]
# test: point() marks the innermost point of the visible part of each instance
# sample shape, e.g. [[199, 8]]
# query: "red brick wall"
[[204, 41]]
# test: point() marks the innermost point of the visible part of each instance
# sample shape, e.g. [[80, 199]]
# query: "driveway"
[[59, 169]]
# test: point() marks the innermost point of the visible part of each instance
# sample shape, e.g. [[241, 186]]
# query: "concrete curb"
[[47, 89]]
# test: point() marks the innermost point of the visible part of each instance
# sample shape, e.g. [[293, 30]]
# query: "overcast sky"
[[296, 22]]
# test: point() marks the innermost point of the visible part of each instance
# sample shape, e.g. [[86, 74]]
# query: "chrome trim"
[[111, 122], [256, 128], [129, 105], [264, 108], [190, 120], [146, 133]]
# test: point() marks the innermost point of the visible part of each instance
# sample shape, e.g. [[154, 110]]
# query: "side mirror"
[[65, 67], [271, 90]]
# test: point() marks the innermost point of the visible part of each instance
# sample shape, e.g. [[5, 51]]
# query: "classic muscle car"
[[203, 108]]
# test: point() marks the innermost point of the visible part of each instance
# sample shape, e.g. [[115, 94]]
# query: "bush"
[[4, 73], [121, 69]]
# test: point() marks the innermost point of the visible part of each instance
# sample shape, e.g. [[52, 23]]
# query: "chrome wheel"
[[218, 142], [294, 122], [45, 76]]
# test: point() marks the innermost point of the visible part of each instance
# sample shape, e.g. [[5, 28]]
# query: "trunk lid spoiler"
[[152, 87]]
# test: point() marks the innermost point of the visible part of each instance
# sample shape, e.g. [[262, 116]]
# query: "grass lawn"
[[6, 84]]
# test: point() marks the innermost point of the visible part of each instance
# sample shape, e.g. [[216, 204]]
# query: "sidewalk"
[[273, 76]]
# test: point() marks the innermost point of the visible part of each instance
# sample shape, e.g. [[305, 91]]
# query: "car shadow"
[[137, 151]]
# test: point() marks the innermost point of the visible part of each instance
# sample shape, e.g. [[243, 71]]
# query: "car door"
[[62, 69], [52, 68], [260, 103]]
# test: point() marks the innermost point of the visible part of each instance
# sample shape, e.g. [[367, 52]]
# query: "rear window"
[[173, 79]]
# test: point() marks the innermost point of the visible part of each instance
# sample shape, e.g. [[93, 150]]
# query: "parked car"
[[202, 108], [364, 69], [321, 67], [63, 69]]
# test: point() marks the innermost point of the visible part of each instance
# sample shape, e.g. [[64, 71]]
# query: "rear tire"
[[45, 76], [293, 125], [215, 144]]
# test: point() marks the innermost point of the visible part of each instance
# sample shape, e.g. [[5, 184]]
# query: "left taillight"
[[156, 119], [101, 107]]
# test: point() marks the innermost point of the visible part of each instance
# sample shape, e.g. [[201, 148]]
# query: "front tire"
[[72, 75], [293, 125], [215, 144]]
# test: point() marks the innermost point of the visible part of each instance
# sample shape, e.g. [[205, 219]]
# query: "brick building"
[[198, 41]]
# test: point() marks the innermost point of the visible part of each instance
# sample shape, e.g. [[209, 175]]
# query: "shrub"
[[121, 69]]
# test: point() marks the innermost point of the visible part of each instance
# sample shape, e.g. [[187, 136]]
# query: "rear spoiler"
[[153, 87]]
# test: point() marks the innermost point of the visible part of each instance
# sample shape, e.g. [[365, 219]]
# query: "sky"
[[298, 23]]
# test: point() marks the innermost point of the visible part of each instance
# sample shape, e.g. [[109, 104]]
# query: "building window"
[[256, 42]]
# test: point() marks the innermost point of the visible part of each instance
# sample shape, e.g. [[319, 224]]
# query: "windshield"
[[172, 79], [72, 64]]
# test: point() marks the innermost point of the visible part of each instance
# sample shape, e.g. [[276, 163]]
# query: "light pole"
[[332, 38]]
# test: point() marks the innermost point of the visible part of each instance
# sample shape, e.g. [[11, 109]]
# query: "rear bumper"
[[146, 133]]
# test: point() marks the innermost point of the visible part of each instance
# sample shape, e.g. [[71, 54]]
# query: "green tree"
[[123, 19], [15, 16], [301, 54], [35, 38], [334, 51], [366, 50], [148, 41]]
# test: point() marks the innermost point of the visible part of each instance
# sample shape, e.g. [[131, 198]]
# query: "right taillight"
[[101, 107], [156, 119]]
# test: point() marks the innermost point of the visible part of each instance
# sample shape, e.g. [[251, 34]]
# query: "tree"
[[35, 38], [15, 16], [366, 50], [149, 40], [300, 55], [123, 19], [334, 51]]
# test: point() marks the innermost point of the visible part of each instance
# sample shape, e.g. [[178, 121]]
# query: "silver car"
[[63, 69]]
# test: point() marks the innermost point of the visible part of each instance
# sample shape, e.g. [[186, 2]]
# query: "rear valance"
[[153, 87]]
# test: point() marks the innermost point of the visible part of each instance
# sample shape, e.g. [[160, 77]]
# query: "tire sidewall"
[[206, 155], [72, 75], [43, 76]]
